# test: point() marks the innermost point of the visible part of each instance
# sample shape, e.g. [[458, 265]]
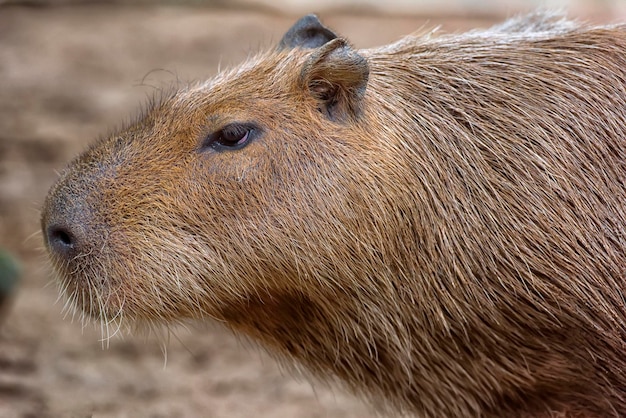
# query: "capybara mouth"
[[84, 277], [439, 222]]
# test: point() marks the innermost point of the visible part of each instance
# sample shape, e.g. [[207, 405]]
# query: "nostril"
[[60, 238]]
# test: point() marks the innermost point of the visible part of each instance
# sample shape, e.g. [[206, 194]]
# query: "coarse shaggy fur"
[[439, 222]]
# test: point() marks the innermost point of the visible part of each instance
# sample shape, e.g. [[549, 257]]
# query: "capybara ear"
[[308, 32], [336, 76]]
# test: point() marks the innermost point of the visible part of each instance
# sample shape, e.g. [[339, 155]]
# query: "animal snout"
[[66, 226], [62, 238]]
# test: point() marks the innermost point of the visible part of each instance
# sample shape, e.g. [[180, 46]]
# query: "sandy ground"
[[68, 75]]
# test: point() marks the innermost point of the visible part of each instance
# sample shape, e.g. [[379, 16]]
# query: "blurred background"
[[72, 70]]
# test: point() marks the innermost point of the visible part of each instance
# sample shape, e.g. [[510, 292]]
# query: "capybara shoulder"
[[439, 223]]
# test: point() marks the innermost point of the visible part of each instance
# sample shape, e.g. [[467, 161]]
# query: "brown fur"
[[440, 222]]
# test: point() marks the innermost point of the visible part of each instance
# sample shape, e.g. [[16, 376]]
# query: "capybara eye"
[[231, 137]]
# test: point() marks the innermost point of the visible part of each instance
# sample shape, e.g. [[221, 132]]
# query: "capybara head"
[[440, 222]]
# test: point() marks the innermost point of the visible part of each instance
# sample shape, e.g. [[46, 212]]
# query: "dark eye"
[[233, 136]]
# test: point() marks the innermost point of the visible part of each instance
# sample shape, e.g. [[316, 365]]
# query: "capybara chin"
[[439, 223]]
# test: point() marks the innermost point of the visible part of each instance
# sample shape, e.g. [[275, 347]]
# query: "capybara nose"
[[62, 239], [65, 224]]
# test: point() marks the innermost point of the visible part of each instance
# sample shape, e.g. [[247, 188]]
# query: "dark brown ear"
[[336, 76], [308, 32]]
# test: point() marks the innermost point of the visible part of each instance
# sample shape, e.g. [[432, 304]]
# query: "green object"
[[9, 273]]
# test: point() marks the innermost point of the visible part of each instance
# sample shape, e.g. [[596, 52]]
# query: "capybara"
[[439, 223]]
